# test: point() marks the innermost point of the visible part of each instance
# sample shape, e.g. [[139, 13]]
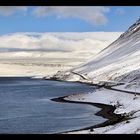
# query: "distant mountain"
[[40, 54]]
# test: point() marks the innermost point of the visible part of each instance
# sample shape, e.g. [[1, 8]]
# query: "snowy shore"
[[107, 112], [125, 103]]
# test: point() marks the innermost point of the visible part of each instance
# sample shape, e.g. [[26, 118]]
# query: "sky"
[[67, 18]]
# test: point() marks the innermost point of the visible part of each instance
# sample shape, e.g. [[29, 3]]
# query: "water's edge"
[[107, 111]]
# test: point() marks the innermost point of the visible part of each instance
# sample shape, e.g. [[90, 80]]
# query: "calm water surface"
[[25, 106]]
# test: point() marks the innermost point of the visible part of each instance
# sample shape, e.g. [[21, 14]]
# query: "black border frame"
[[70, 3]]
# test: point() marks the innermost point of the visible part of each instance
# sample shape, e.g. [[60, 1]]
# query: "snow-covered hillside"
[[117, 63], [40, 54], [120, 61]]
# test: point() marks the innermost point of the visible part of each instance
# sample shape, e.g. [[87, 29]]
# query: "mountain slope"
[[120, 61]]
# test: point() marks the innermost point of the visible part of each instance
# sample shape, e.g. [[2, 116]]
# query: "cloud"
[[119, 11], [56, 42], [92, 14], [9, 10]]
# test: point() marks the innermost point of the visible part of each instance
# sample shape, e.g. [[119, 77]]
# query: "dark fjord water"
[[26, 108]]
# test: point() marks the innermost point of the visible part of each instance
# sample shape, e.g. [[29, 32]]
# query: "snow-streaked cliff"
[[120, 61]]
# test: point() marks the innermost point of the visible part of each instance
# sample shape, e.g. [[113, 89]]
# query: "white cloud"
[[9, 10], [91, 14], [56, 42], [119, 11]]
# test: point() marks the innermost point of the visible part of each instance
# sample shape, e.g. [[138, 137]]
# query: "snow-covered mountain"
[[120, 61]]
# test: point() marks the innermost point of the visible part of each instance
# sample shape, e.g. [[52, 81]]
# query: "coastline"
[[126, 106], [107, 111]]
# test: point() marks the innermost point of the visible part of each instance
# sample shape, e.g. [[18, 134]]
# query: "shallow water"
[[26, 108]]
